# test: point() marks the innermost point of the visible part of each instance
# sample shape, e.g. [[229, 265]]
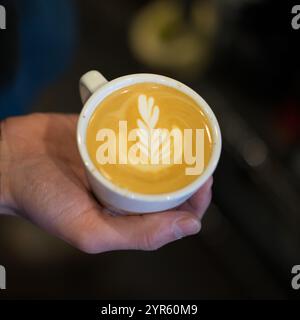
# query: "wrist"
[[5, 207]]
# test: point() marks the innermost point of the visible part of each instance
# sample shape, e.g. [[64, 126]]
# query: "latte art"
[[149, 138], [153, 144]]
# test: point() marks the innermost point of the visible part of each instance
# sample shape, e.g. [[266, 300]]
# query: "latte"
[[149, 138]]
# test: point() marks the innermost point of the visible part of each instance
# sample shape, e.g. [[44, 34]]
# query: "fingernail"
[[185, 227]]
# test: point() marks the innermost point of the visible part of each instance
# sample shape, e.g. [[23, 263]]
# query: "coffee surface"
[[140, 158]]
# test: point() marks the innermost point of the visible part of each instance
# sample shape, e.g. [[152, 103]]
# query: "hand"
[[43, 180]]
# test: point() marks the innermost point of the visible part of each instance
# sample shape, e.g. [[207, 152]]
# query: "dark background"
[[249, 75]]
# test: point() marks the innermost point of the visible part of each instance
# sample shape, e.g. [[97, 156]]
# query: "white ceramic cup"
[[93, 89]]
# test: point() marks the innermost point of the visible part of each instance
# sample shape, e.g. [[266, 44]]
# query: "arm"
[[4, 208]]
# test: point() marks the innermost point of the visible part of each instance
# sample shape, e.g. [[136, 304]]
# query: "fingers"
[[96, 230], [100, 232], [64, 207], [200, 201]]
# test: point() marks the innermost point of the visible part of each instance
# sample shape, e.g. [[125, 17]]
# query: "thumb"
[[100, 232]]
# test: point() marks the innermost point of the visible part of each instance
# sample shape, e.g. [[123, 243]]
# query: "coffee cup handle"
[[89, 83]]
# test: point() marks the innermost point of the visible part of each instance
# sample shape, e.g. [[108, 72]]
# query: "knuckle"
[[149, 242], [84, 243]]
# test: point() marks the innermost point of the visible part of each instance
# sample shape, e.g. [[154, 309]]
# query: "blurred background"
[[242, 57]]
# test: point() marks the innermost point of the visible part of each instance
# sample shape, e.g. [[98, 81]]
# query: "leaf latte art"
[[149, 138]]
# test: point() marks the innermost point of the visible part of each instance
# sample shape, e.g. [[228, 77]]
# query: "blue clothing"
[[47, 35]]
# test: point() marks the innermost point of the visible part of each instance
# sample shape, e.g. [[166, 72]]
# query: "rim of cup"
[[111, 86]]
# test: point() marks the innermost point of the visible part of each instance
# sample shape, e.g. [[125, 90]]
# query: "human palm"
[[43, 180]]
